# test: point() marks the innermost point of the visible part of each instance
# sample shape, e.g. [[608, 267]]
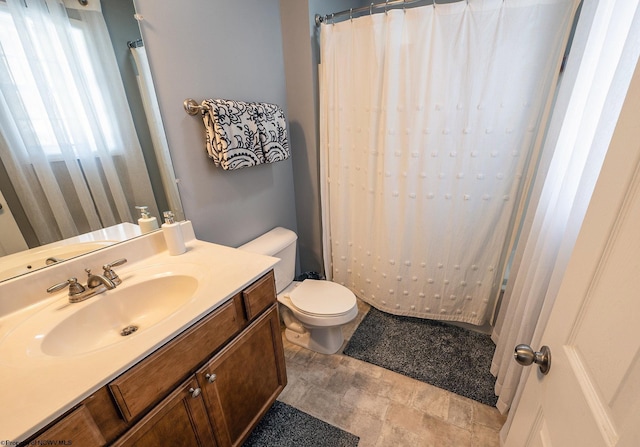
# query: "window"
[[46, 87]]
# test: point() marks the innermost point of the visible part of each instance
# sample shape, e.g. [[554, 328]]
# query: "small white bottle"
[[173, 234], [146, 222]]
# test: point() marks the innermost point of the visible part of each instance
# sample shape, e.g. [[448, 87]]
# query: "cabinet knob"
[[210, 377], [195, 392]]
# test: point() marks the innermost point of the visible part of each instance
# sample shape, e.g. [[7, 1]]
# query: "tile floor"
[[381, 407]]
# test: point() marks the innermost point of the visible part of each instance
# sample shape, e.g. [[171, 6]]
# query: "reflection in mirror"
[[27, 261], [81, 138]]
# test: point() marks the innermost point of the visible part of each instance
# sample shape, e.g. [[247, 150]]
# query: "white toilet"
[[313, 311]]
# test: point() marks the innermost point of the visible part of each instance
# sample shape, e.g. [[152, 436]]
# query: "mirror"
[[124, 33]]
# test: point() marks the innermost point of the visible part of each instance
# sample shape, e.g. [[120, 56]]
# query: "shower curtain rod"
[[384, 5]]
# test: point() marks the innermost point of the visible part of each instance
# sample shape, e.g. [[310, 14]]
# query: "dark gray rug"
[[443, 355], [286, 426]]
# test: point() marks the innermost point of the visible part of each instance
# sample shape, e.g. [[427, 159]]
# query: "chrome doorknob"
[[524, 355]]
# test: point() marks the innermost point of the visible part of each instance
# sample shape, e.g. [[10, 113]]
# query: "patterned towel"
[[272, 131], [232, 134], [241, 134]]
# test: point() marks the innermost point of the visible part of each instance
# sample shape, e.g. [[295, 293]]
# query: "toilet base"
[[327, 340]]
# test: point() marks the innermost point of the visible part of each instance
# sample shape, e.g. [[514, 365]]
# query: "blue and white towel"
[[241, 134]]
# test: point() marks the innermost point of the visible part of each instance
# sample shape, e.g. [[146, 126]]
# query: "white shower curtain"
[[429, 118]]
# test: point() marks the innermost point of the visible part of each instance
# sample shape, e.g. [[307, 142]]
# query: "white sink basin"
[[146, 297], [129, 309]]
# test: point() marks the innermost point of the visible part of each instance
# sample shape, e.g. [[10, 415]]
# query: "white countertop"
[[36, 388]]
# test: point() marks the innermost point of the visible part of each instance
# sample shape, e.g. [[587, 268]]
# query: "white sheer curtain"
[[429, 118], [67, 137], [589, 100]]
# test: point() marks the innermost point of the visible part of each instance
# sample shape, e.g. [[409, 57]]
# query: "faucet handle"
[[110, 274], [115, 263], [74, 287]]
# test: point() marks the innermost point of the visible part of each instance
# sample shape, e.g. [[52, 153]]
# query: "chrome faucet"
[[94, 281], [96, 284], [110, 274]]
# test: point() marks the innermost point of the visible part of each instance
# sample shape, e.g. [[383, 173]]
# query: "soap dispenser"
[[146, 222], [173, 234]]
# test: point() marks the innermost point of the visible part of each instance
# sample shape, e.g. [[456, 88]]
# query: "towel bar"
[[192, 107]]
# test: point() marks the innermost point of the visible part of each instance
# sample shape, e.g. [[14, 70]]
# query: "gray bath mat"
[[446, 356], [286, 426]]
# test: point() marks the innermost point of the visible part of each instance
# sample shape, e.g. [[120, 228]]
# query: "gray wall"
[[248, 50], [301, 53], [219, 49]]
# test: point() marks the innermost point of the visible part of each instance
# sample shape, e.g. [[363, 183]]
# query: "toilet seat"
[[322, 298]]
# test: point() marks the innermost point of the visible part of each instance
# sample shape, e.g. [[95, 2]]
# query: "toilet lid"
[[322, 297]]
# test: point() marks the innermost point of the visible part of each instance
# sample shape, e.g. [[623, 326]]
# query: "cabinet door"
[[241, 383], [181, 419], [77, 428]]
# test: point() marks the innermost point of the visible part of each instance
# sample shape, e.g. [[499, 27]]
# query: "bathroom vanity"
[[204, 374]]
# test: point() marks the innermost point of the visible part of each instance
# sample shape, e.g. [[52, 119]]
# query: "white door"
[[591, 395], [11, 239]]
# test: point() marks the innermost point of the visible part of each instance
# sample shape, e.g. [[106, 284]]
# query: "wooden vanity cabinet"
[[181, 419], [78, 427], [145, 384], [241, 383], [231, 392], [207, 387]]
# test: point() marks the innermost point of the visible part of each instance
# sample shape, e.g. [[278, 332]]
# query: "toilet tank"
[[279, 243]]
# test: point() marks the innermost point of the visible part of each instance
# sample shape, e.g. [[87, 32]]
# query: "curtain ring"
[[386, 3], [351, 14], [371, 9], [404, 5], [434, 4], [333, 20]]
